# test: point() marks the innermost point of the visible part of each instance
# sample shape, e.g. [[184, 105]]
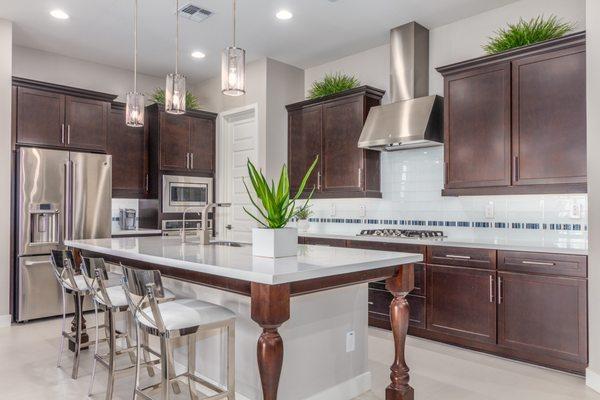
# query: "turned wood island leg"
[[270, 307], [400, 285]]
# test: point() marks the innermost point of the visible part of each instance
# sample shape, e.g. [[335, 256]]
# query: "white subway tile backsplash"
[[411, 182]]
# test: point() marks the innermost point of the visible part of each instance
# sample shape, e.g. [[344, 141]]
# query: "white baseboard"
[[592, 380], [5, 320], [346, 390]]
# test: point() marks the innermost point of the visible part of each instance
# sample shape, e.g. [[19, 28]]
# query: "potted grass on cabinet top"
[[275, 207]]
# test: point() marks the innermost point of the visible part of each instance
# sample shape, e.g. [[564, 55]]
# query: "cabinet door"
[[343, 168], [477, 127], [40, 117], [128, 147], [174, 142], [87, 123], [461, 302], [549, 118], [202, 145], [543, 315], [304, 144]]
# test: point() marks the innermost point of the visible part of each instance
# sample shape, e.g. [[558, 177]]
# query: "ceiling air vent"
[[194, 12]]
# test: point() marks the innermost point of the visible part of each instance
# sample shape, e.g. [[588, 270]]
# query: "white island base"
[[316, 364]]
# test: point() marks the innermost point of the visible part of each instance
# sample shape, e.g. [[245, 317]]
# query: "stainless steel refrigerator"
[[61, 195]]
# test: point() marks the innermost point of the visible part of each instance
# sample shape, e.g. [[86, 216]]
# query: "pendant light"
[[175, 90], [233, 67], [134, 106]]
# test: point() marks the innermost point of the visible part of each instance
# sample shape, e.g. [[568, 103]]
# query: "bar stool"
[[175, 319], [63, 264]]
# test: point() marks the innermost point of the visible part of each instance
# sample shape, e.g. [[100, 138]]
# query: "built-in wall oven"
[[181, 192]]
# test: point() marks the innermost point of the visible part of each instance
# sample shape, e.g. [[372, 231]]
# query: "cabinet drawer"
[[387, 246], [543, 263], [462, 257], [325, 242], [379, 301], [419, 281], [379, 307], [417, 311]]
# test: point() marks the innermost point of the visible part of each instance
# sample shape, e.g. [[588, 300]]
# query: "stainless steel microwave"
[[181, 192]]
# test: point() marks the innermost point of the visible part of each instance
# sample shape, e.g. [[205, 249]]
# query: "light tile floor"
[[28, 356]]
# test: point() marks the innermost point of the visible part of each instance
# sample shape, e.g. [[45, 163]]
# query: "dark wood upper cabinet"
[[56, 116], [543, 317], [461, 302], [515, 122], [549, 118], [174, 142], [87, 123], [202, 145], [330, 127], [181, 143], [40, 117], [129, 149], [477, 134], [304, 145]]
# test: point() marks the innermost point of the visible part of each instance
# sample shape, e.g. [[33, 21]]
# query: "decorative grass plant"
[[525, 32], [332, 83], [304, 213], [191, 101], [278, 207]]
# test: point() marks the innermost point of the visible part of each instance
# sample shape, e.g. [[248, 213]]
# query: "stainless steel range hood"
[[413, 119]]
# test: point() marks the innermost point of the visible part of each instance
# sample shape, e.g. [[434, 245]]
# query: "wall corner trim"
[[592, 379]]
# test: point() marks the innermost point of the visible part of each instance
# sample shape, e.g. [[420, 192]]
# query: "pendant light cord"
[[234, 9], [177, 36], [135, 19]]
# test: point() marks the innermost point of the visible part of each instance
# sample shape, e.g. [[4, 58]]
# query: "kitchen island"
[[316, 293]]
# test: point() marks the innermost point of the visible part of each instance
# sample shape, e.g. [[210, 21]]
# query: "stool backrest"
[[95, 274], [142, 289], [63, 264]]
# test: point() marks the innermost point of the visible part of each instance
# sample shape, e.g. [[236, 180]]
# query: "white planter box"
[[274, 243]]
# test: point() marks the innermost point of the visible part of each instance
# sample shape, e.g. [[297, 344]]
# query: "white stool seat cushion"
[[189, 313], [80, 283]]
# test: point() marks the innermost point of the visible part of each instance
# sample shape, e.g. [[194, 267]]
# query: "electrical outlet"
[[575, 211], [363, 210], [350, 342], [332, 210], [489, 210]]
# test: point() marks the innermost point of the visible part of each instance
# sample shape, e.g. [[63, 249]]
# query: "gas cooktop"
[[403, 233]]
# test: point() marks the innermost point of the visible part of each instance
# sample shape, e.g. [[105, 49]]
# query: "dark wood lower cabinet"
[[543, 316], [461, 302]]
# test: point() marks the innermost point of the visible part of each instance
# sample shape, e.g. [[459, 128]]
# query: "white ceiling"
[[321, 30]]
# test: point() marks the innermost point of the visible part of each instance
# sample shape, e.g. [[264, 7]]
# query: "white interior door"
[[237, 142]]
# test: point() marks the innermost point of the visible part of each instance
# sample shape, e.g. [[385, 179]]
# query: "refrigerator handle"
[[68, 199]]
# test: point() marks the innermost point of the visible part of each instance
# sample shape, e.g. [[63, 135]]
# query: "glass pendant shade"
[[175, 94], [233, 71], [134, 110]]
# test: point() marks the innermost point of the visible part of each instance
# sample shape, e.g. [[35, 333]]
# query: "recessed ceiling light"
[[59, 14], [284, 14], [198, 54]]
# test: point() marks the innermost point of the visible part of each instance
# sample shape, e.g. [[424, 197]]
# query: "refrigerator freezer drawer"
[[39, 292]]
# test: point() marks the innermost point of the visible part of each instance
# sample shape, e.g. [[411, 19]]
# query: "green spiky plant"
[[191, 101], [332, 83], [528, 32], [304, 213], [277, 206]]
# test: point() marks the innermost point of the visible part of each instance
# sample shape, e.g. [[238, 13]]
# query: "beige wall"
[[5, 167], [593, 146], [54, 68], [450, 43]]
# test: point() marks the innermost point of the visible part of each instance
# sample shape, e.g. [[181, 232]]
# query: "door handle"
[[458, 257], [500, 290], [147, 184], [319, 180], [491, 289], [62, 133], [69, 134], [360, 177], [516, 167], [192, 160], [546, 264], [32, 263], [228, 226]]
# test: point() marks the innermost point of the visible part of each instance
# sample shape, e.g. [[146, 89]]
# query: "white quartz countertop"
[[566, 246], [136, 232], [238, 262]]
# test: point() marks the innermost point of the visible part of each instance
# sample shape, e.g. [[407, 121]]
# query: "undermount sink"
[[226, 243]]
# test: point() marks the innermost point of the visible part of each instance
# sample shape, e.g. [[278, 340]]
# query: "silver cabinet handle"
[[69, 134], [360, 177], [547, 264], [187, 160], [192, 160], [491, 289], [516, 167], [147, 183], [319, 180], [371, 303], [500, 290], [32, 263], [458, 257], [62, 133]]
